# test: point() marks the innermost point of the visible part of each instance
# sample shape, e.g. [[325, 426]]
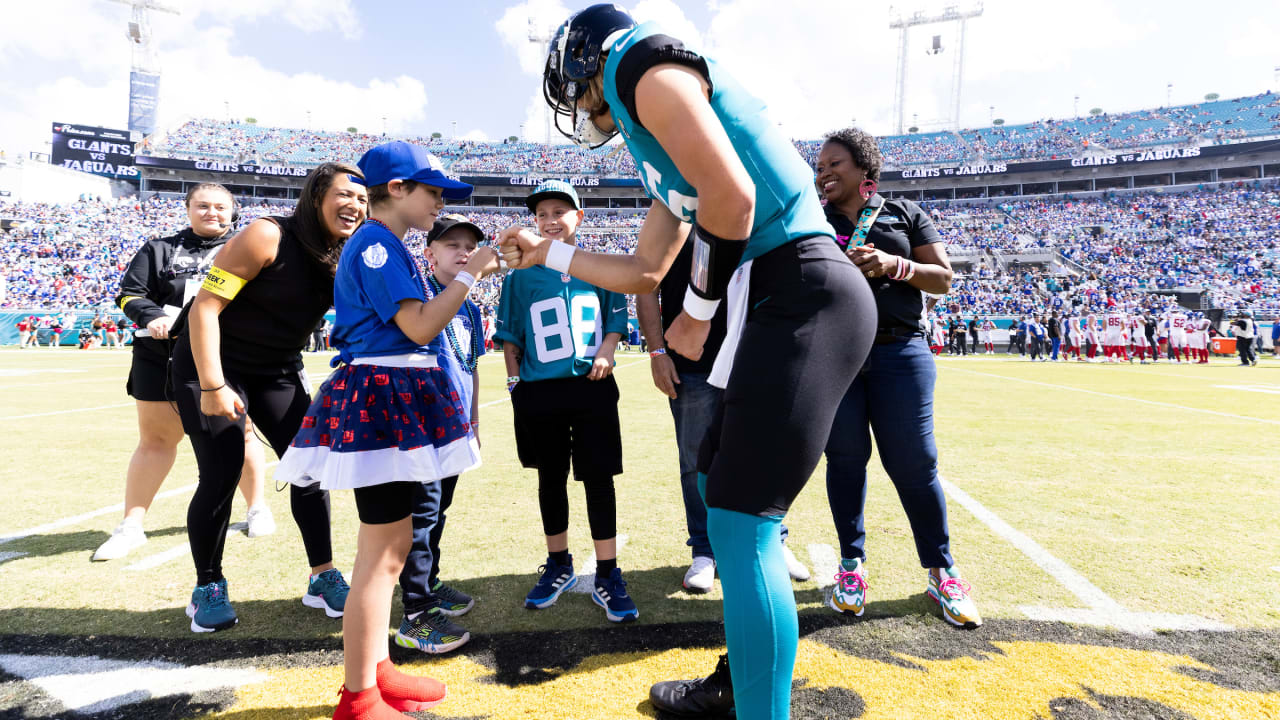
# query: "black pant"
[[1035, 348], [810, 326], [276, 403], [1247, 355]]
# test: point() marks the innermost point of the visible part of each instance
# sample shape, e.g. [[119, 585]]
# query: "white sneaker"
[[701, 575], [260, 521], [795, 568], [126, 537]]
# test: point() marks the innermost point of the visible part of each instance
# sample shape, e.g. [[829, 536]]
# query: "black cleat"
[[711, 696]]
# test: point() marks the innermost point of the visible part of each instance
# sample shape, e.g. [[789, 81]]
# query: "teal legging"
[[760, 623]]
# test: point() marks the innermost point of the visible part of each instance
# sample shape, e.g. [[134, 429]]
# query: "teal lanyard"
[[866, 218]]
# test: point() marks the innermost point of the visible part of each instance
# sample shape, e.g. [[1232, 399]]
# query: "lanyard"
[[866, 218]]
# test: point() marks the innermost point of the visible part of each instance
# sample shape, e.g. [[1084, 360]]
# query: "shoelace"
[[954, 588], [851, 580], [216, 598]]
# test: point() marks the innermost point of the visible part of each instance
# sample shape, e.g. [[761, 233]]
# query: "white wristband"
[[698, 307], [559, 255], [465, 278]]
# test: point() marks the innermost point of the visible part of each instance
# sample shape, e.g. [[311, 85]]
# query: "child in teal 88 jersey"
[[559, 335]]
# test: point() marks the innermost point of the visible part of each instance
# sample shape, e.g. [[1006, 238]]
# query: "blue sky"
[[424, 64]]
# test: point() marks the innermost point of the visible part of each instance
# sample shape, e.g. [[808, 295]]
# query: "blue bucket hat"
[[400, 160], [553, 189]]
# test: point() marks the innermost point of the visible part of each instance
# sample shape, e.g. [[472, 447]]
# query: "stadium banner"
[[578, 181], [218, 166], [1134, 157], [94, 150], [144, 94]]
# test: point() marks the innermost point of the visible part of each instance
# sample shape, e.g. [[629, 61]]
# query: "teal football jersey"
[[787, 206], [558, 320]]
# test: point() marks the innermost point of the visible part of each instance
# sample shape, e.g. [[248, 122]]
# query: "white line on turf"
[[1269, 389], [177, 551], [825, 563], [1102, 609], [7, 556], [1118, 397], [587, 574], [118, 507], [66, 412]]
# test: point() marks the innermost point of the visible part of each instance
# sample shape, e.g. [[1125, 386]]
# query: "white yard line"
[[1102, 609], [587, 571], [177, 551], [66, 412], [825, 562], [1119, 397]]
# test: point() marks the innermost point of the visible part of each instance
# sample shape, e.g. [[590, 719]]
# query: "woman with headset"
[[160, 279]]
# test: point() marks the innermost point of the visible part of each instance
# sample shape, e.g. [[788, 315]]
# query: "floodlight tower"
[[541, 37], [903, 23], [144, 75]]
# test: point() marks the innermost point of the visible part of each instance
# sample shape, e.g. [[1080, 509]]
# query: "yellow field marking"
[[1019, 681]]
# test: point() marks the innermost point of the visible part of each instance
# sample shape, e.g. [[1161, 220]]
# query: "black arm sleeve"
[[653, 50], [135, 286]]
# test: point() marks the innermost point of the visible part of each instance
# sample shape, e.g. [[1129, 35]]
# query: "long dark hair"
[[307, 224]]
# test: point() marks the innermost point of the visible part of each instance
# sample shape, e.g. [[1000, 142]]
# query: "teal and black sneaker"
[[554, 580], [210, 608], [611, 594], [453, 602], [431, 632], [327, 590]]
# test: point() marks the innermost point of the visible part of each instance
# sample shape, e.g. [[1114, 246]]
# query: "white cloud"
[[476, 135], [671, 17], [308, 16]]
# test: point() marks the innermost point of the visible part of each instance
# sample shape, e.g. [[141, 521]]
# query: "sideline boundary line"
[[1118, 397], [66, 412]]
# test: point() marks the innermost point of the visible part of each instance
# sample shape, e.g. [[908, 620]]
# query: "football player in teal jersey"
[[800, 316], [559, 335]]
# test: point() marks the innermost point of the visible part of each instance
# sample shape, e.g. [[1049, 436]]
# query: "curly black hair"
[[862, 146]]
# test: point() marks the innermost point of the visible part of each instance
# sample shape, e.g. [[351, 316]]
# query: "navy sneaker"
[[611, 594], [555, 579], [453, 602], [431, 632], [328, 590], [210, 608]]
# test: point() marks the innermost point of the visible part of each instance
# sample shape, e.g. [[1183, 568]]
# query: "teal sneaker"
[[210, 608], [431, 632], [328, 590], [453, 602], [952, 594], [849, 595], [553, 580], [611, 594]]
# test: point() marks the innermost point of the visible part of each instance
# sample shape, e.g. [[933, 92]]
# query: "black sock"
[[605, 567], [561, 557]]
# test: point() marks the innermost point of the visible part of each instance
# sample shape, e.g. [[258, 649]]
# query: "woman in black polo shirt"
[[894, 244]]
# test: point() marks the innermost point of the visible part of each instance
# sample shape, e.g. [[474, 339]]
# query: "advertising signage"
[[94, 150]]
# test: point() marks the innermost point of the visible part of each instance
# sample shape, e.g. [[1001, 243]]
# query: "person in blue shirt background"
[[430, 604], [559, 335]]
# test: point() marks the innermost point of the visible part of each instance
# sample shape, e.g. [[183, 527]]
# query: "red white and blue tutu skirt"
[[378, 420]]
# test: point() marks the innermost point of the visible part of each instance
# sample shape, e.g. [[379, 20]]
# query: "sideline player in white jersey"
[[1138, 336], [1113, 338], [1198, 337], [1177, 323]]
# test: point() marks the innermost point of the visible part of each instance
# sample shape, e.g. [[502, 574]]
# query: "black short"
[[148, 376], [809, 329], [569, 418], [386, 503]]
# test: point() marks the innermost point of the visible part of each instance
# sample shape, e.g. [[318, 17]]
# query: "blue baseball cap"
[[400, 160], [553, 189]]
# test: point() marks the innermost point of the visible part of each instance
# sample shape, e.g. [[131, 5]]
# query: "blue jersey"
[[443, 347], [787, 207], [558, 321], [375, 272]]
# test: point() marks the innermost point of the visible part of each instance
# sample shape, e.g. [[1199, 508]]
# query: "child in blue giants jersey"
[[559, 335], [430, 604], [390, 418]]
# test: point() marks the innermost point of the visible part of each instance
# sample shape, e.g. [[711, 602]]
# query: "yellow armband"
[[222, 283], [128, 299]]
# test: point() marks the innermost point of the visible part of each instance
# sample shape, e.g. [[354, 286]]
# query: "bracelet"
[[559, 255], [512, 382], [465, 278], [656, 353], [214, 389]]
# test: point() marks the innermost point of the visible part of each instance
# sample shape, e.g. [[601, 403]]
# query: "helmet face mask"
[[573, 59]]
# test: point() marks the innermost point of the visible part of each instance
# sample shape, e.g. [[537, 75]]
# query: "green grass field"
[[1139, 503]]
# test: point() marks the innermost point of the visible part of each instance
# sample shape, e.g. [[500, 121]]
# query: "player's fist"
[[521, 248], [688, 335]]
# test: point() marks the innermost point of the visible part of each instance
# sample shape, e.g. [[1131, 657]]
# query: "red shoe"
[[408, 693], [365, 705]]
